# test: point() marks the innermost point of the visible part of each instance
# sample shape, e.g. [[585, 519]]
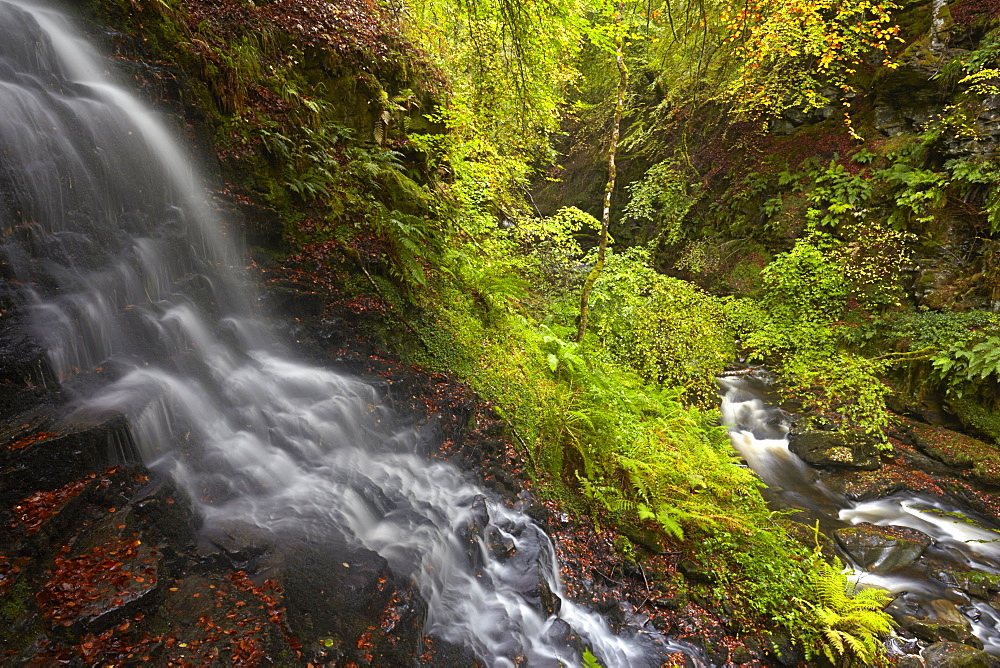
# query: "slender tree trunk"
[[588, 284]]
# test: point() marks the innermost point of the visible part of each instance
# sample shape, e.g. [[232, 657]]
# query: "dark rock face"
[[955, 655], [37, 457], [882, 549], [334, 592], [836, 450]]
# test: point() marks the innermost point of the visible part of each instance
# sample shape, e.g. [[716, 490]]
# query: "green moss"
[[977, 416], [15, 609]]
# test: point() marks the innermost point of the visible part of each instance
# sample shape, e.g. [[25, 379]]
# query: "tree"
[[602, 246]]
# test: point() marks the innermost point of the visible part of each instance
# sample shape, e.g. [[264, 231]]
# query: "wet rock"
[[955, 655], [909, 662], [293, 300], [694, 572], [500, 544], [882, 549], [971, 456], [974, 583], [780, 646], [740, 655], [542, 598], [611, 610], [58, 456], [561, 636], [530, 506], [334, 590], [164, 510], [942, 621], [836, 450], [716, 652], [898, 644], [109, 576], [528, 566], [475, 531], [674, 603], [206, 617], [934, 630], [234, 545], [889, 121]]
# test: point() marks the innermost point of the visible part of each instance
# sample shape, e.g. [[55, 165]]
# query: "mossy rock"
[[955, 655], [882, 549], [959, 451], [831, 449]]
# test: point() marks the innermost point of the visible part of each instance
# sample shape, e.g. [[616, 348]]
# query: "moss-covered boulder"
[[834, 449], [978, 460], [882, 549], [955, 655]]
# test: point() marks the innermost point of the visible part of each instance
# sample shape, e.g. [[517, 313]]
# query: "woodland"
[[579, 215]]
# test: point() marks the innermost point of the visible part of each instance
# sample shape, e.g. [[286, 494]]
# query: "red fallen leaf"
[[31, 440]]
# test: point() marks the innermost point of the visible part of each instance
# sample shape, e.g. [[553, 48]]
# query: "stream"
[[960, 541], [138, 293]]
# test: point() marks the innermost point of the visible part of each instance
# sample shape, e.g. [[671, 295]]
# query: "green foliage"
[[922, 329], [665, 329], [977, 172], [967, 364], [850, 623], [662, 197], [485, 288], [509, 65], [556, 234], [679, 468], [839, 193], [972, 412], [791, 50], [918, 191], [799, 318], [762, 573], [589, 660], [805, 294], [983, 82]]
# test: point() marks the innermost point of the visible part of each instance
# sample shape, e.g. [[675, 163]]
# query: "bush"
[[666, 330]]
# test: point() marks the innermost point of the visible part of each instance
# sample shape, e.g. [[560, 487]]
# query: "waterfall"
[[138, 294]]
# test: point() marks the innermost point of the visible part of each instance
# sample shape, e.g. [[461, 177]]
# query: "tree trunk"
[[588, 284]]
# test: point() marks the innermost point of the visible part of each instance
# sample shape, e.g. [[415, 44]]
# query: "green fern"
[[589, 660], [962, 366], [849, 622]]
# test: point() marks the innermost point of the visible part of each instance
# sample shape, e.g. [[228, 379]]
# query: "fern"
[[849, 622], [961, 366], [589, 660]]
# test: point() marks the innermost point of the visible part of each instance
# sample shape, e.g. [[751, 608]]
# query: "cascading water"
[[141, 304], [961, 541]]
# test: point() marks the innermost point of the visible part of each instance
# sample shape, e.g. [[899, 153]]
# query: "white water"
[[143, 308], [961, 541]]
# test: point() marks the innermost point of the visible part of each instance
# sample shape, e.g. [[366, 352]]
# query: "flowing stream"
[[141, 302], [961, 541]]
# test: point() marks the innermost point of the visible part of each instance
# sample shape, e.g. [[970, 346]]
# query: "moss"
[[958, 450], [977, 416], [16, 629]]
